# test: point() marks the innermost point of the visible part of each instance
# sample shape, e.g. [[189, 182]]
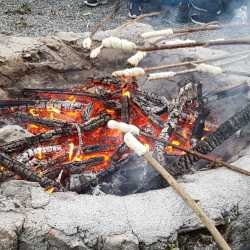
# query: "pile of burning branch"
[[71, 139]]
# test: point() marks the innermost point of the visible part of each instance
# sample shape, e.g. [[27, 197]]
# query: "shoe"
[[135, 8], [94, 3]]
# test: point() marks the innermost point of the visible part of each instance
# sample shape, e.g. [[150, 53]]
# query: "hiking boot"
[[135, 8]]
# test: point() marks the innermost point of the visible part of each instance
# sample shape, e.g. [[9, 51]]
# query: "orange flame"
[[34, 112], [71, 150]]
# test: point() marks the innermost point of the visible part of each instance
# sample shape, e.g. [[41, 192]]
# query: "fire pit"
[[72, 149]]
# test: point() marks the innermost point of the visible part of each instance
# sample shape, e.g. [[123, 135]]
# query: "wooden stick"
[[208, 27], [141, 150], [182, 64], [136, 20], [100, 24], [242, 41], [201, 156], [188, 200]]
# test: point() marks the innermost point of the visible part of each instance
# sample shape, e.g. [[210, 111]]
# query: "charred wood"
[[28, 142], [125, 109], [184, 164], [78, 167], [20, 169]]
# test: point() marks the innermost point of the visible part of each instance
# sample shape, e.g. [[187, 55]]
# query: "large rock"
[[151, 220]]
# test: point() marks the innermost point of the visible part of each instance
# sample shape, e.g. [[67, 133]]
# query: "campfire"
[[72, 141]]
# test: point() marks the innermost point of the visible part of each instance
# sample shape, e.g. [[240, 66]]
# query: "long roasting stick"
[[242, 41], [181, 64], [176, 32], [141, 150], [135, 130], [201, 156]]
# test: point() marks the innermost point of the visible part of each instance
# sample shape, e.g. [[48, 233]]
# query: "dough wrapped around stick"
[[133, 72], [161, 75], [87, 43], [206, 68], [136, 59], [117, 43], [165, 32], [96, 52]]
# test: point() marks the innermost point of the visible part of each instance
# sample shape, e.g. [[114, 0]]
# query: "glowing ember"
[[90, 142]]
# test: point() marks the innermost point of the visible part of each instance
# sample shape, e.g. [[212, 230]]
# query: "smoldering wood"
[[28, 142], [153, 117], [31, 93], [77, 167], [42, 104], [125, 109], [199, 124], [240, 89], [153, 98], [90, 149], [119, 152], [20, 169], [183, 164], [25, 118]]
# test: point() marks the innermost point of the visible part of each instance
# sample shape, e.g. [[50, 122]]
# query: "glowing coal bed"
[[81, 153]]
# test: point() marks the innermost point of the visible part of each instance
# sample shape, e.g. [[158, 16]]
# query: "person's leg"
[[183, 11], [135, 8]]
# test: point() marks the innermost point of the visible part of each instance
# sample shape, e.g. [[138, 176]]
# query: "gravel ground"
[[41, 17]]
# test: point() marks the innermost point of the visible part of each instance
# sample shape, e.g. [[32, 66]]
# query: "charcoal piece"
[[87, 112], [120, 151], [112, 104], [239, 120], [125, 109], [153, 98], [94, 149], [78, 167]]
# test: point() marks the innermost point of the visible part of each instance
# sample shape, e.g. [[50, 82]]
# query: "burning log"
[[87, 112], [125, 128], [28, 142], [41, 104], [40, 121], [34, 92], [184, 164], [199, 124], [125, 108], [78, 167], [218, 95], [148, 111], [152, 97], [30, 153], [186, 94], [20, 169]]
